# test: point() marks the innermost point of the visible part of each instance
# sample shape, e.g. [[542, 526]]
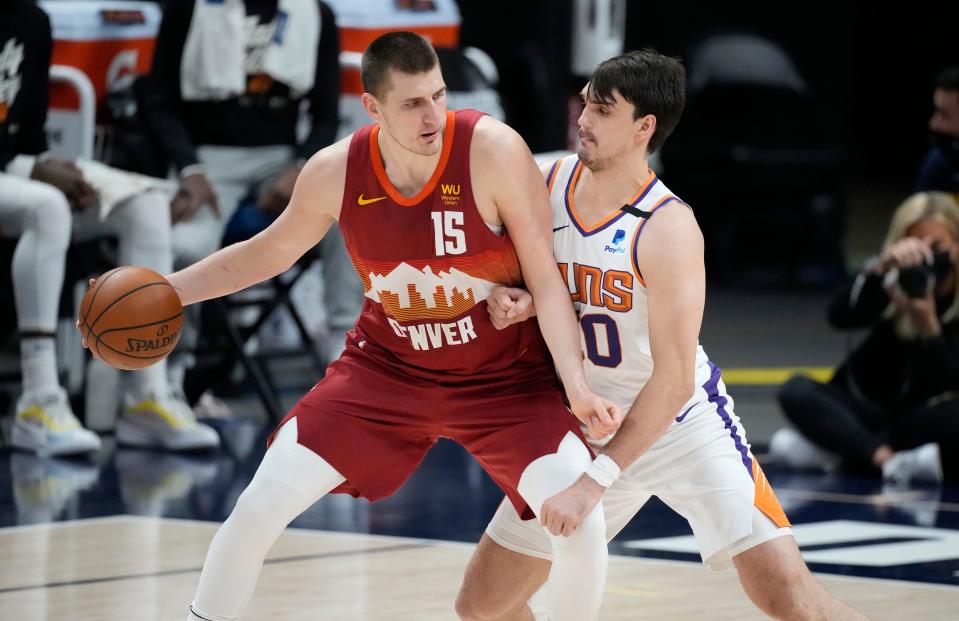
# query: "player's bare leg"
[[289, 480], [498, 583], [776, 579]]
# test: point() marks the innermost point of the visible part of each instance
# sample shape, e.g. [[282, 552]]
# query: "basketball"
[[131, 317]]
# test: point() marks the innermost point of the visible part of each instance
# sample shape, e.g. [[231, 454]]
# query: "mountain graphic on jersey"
[[436, 289]]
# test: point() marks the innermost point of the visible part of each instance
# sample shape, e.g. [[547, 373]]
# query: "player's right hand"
[[66, 177], [194, 192], [601, 417], [509, 305]]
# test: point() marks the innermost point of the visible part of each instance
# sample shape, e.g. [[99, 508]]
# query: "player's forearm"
[[557, 322], [650, 416], [226, 271]]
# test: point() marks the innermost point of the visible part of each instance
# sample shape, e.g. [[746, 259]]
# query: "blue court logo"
[[616, 245]]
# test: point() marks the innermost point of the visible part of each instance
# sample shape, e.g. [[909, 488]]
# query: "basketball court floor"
[[123, 536]]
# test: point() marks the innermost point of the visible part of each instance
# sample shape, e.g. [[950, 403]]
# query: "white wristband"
[[604, 470]]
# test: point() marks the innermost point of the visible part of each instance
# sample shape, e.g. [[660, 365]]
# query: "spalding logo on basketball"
[[164, 340], [131, 317]]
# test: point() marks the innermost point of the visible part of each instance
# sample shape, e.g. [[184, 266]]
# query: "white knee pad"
[[287, 482], [578, 575], [551, 474], [297, 466]]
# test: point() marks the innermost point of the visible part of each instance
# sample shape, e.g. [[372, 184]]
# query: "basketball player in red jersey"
[[436, 208]]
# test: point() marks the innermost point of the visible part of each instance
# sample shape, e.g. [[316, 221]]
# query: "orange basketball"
[[131, 317]]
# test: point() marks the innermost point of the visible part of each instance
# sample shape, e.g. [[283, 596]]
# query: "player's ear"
[[645, 128], [371, 105]]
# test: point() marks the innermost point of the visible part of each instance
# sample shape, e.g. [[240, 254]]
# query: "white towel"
[[214, 64]]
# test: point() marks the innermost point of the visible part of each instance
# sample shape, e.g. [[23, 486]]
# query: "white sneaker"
[[921, 464], [45, 424], [211, 406], [163, 421], [793, 450]]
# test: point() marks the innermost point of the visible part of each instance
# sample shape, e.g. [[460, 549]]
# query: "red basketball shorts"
[[374, 422]]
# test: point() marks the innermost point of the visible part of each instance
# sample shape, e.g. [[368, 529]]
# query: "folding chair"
[[225, 323]]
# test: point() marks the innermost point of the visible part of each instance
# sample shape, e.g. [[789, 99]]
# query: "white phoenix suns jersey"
[[598, 263]]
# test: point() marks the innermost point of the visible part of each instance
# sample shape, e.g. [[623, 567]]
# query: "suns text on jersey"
[[612, 289]]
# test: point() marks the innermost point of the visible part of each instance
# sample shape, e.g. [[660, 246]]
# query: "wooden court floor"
[[146, 568]]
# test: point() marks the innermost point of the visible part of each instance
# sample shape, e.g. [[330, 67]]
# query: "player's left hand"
[[562, 514], [278, 194]]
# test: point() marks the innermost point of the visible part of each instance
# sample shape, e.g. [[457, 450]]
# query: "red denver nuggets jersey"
[[428, 263]]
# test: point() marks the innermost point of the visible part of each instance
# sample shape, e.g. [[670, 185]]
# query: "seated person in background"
[[224, 97], [892, 406], [44, 203], [940, 167]]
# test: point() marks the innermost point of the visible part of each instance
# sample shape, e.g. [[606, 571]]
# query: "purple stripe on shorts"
[[712, 391]]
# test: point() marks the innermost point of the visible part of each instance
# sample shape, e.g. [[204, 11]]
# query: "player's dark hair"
[[654, 83], [406, 52], [948, 80]]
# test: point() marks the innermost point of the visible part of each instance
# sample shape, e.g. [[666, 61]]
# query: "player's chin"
[[585, 153], [429, 144]]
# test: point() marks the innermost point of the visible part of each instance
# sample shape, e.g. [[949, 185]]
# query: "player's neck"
[[408, 172], [601, 192]]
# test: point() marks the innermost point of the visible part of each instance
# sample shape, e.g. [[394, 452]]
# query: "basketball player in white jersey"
[[632, 256]]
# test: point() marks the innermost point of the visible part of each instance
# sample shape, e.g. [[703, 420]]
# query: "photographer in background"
[[893, 405]]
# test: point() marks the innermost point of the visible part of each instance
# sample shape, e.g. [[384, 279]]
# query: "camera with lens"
[[916, 280]]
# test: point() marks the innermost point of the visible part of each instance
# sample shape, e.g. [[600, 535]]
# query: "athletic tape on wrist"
[[604, 470]]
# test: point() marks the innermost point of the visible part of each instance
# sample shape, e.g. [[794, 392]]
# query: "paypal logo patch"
[[617, 245]]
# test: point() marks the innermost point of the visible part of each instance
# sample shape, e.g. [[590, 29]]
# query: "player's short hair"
[[406, 52], [948, 80], [654, 83]]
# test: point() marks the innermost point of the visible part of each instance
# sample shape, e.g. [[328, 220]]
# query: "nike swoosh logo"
[[367, 201], [682, 416], [559, 228]]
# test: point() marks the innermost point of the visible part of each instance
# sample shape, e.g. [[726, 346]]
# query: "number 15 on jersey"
[[448, 234]]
